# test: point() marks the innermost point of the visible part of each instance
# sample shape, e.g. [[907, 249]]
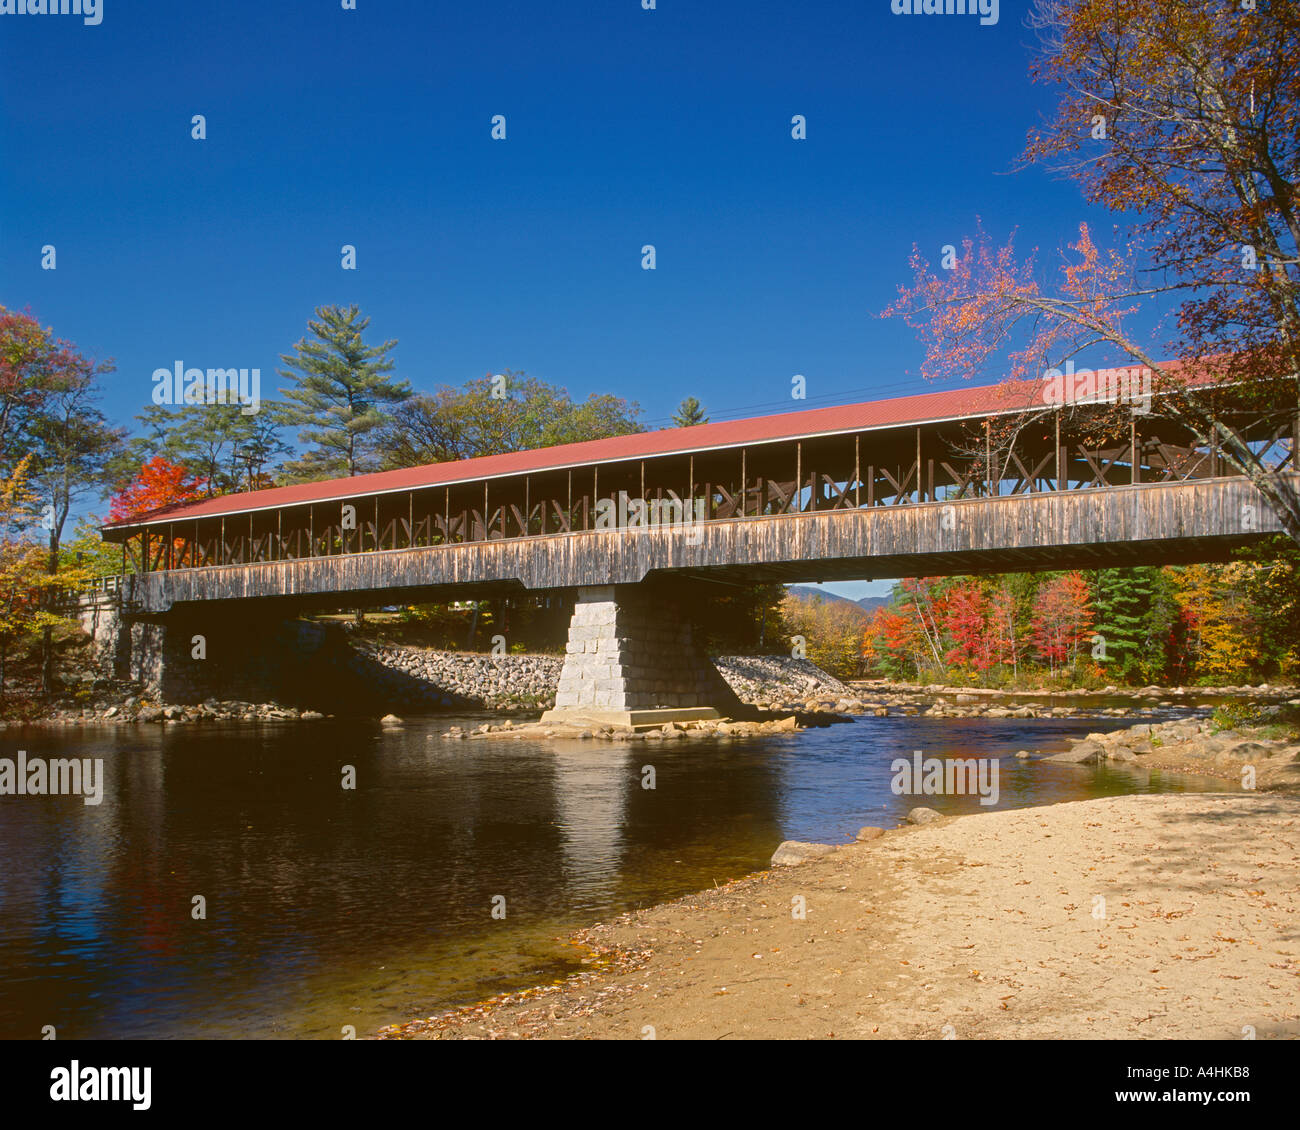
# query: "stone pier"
[[632, 661], [186, 656]]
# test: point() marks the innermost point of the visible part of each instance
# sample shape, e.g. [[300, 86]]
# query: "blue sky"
[[623, 127]]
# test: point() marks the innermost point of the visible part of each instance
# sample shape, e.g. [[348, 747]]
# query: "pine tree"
[[1123, 599], [689, 413], [340, 395]]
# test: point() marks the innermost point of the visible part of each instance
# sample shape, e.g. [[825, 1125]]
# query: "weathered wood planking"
[[1170, 522]]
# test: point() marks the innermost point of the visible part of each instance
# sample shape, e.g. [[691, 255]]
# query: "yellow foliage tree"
[[27, 588], [1221, 637]]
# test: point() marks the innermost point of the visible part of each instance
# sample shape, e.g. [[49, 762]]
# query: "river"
[[327, 907]]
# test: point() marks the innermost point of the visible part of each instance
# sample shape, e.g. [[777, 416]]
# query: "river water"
[[327, 907]]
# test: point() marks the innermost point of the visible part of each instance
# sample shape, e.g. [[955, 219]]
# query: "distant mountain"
[[803, 592], [869, 604]]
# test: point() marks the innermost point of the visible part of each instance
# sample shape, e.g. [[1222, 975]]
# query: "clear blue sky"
[[624, 127]]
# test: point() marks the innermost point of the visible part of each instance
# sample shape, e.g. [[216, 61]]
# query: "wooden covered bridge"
[[987, 479]]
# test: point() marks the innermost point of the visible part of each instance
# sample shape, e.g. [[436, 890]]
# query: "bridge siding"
[[1048, 526]]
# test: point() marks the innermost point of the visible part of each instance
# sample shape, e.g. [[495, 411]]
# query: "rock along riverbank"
[[423, 680]]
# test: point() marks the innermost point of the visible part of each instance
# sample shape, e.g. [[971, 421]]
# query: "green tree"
[[689, 413], [216, 441], [87, 550], [1137, 610], [341, 394], [73, 445], [497, 414], [73, 448], [1121, 598]]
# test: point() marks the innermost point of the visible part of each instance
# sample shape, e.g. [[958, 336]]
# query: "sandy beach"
[[1170, 916]]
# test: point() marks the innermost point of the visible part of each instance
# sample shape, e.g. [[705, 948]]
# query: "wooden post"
[[279, 534], [528, 510], [920, 494], [223, 539], [988, 458], [171, 545], [1136, 475], [376, 550], [857, 471], [797, 497], [690, 487], [410, 521], [1058, 448], [446, 518], [744, 479]]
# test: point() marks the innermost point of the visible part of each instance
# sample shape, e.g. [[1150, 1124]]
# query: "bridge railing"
[[845, 471], [115, 585]]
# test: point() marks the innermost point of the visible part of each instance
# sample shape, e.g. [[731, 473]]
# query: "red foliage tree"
[[1063, 619], [159, 483], [966, 623]]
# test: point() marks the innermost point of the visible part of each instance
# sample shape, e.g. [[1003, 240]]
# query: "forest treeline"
[[1231, 623]]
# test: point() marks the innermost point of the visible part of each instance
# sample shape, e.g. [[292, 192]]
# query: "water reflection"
[[328, 906]]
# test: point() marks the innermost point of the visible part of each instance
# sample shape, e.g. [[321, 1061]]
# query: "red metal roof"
[[931, 407]]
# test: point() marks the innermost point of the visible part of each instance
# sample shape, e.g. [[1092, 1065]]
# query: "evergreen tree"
[[689, 413], [342, 390], [1122, 598]]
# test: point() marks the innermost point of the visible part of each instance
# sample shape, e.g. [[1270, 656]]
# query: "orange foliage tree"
[[1184, 117], [158, 485]]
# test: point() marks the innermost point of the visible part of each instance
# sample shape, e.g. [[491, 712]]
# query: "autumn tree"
[[1180, 116], [831, 631], [160, 483], [966, 625], [73, 447], [27, 587], [1272, 584], [51, 425], [29, 355], [889, 644], [1063, 618]]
